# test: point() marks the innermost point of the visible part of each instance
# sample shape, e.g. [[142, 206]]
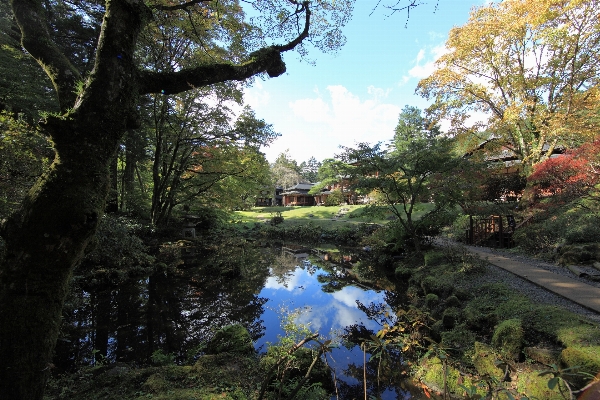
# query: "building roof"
[[300, 186]]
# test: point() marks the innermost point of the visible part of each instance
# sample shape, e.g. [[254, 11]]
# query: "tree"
[[24, 156], [310, 169], [419, 166], [25, 90], [285, 171], [44, 241], [242, 173], [331, 173], [570, 176], [524, 65], [193, 143]]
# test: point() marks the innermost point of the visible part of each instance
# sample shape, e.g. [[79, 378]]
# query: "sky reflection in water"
[[325, 313]]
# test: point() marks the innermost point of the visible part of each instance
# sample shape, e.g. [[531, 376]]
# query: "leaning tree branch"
[[35, 38], [303, 35], [182, 6], [267, 59]]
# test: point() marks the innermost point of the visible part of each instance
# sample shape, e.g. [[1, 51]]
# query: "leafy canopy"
[[518, 69]]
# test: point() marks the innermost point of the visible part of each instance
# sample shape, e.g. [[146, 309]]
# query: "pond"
[[175, 310]]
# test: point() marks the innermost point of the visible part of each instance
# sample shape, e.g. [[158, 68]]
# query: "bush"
[[584, 232], [458, 228], [336, 198], [160, 358], [431, 300]]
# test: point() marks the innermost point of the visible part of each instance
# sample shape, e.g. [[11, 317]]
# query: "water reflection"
[[177, 308]]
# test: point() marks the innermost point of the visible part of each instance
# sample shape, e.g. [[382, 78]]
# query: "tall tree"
[[310, 169], [331, 172], [285, 171], [43, 242], [418, 167], [521, 64]]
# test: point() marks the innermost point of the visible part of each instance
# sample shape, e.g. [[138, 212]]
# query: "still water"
[[176, 309]]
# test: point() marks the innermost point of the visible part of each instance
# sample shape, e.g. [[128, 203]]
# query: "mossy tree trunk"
[[46, 239]]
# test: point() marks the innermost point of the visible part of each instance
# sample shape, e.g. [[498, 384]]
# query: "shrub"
[[161, 358], [336, 198], [431, 300], [458, 228], [583, 232]]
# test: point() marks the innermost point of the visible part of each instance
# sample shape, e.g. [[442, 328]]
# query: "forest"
[[129, 157]]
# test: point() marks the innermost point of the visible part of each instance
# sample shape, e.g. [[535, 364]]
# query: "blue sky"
[[356, 95]]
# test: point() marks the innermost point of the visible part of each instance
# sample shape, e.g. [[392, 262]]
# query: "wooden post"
[[501, 231], [470, 239]]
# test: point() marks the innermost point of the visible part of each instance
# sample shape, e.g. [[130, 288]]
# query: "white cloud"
[[424, 69], [343, 118], [256, 96], [312, 110]]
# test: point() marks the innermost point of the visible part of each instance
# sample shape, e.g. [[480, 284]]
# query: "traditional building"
[[297, 195], [268, 197]]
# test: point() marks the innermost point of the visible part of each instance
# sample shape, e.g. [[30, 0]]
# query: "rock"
[[541, 355]]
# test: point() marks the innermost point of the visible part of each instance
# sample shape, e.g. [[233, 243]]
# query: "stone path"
[[578, 292]]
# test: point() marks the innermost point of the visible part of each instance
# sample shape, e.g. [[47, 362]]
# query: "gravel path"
[[536, 293]]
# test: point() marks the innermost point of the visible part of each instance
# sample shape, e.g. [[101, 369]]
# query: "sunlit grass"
[[325, 216]]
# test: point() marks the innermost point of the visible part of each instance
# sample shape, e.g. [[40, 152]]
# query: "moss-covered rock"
[[485, 361], [508, 338], [541, 355], [584, 360], [434, 373], [534, 386]]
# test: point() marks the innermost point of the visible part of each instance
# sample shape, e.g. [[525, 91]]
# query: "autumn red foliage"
[[572, 174]]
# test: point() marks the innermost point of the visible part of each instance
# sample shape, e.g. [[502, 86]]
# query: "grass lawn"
[[324, 216]]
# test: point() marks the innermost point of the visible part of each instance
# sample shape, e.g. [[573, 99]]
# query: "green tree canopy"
[[418, 166]]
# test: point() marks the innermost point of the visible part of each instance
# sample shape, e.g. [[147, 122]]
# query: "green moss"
[[530, 384], [508, 338], [541, 355], [223, 376], [485, 361], [584, 360], [432, 374]]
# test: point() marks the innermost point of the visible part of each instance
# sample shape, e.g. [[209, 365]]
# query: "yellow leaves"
[[522, 64]]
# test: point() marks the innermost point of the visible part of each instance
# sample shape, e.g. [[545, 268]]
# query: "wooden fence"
[[493, 231]]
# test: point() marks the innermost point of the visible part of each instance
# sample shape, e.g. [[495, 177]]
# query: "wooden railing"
[[493, 231]]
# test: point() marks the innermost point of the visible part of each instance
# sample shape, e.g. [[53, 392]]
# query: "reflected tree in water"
[[174, 307]]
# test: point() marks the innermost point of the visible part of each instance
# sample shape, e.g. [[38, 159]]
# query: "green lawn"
[[322, 215]]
